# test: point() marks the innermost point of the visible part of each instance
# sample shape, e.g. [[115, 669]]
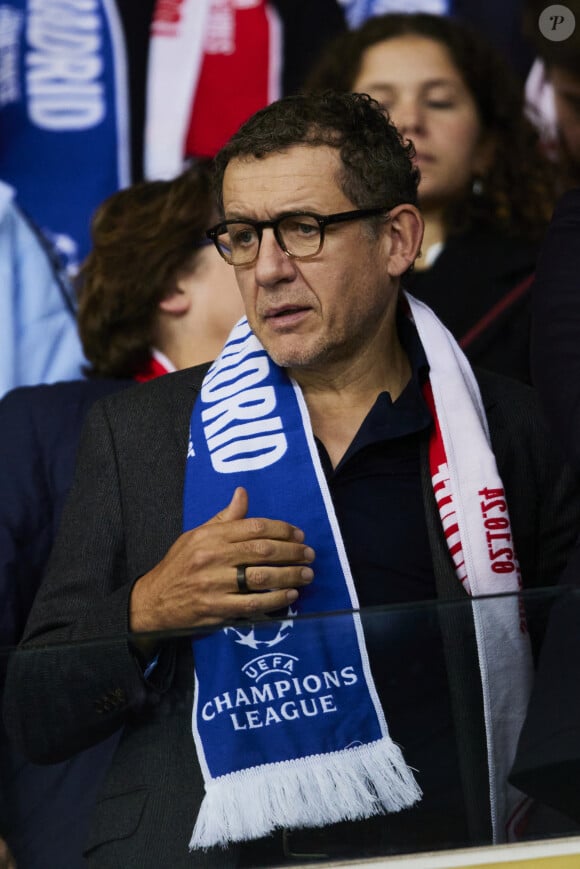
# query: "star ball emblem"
[[247, 637]]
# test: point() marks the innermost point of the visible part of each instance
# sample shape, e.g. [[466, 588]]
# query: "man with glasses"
[[389, 473]]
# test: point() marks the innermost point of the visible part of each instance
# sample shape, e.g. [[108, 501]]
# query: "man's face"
[[321, 311]]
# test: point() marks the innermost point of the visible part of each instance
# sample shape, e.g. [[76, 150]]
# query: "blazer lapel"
[[180, 400]]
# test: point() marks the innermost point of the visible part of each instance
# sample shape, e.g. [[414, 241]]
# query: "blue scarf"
[[64, 111], [287, 723]]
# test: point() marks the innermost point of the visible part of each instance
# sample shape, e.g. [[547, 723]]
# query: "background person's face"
[[414, 78], [215, 296]]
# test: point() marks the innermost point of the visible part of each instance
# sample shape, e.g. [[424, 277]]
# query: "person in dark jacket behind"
[[555, 354], [547, 764]]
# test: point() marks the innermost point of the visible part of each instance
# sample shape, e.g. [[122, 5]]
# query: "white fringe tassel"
[[314, 791]]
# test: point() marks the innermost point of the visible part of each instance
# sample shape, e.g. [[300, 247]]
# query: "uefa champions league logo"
[[270, 635]]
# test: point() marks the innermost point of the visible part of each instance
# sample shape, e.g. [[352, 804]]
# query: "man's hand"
[[195, 584], [7, 861]]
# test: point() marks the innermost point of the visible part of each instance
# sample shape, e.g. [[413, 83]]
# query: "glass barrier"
[[384, 732]]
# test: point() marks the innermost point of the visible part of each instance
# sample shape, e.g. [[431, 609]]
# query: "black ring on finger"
[[242, 579]]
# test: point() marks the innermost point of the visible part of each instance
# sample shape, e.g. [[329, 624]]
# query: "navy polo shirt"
[[376, 492]]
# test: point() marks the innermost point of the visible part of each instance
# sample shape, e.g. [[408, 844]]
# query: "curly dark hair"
[[520, 186], [377, 166], [141, 237]]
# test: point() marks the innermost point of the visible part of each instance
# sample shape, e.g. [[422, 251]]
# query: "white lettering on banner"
[[221, 29], [240, 426], [64, 65], [281, 700], [11, 23]]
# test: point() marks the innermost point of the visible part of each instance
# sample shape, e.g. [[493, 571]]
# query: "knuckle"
[[200, 558], [256, 525], [259, 577], [263, 548]]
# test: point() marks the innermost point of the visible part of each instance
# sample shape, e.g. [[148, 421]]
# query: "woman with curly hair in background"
[[486, 190], [153, 295]]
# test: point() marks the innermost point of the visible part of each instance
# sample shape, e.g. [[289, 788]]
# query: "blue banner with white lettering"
[[63, 113], [357, 11], [287, 723]]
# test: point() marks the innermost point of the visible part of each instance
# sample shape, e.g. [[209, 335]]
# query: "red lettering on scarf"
[[166, 12], [493, 505], [497, 531], [499, 541]]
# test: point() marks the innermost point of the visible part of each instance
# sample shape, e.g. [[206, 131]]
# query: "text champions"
[[280, 700]]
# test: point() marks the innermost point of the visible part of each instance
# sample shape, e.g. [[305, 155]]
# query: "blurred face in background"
[[415, 80]]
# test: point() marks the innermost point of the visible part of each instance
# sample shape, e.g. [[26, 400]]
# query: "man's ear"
[[405, 230]]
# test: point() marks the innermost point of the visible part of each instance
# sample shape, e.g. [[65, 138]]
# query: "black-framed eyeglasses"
[[300, 234]]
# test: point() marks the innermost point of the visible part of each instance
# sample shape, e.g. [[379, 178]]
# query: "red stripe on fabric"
[[437, 458], [511, 298]]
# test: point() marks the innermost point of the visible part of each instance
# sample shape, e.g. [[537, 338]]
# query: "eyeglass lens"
[[298, 235]]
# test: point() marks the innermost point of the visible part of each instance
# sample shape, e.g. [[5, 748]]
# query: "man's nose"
[[273, 265]]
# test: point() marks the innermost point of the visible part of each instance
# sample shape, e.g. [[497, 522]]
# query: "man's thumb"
[[236, 509]]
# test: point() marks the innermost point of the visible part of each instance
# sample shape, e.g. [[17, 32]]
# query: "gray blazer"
[[122, 515]]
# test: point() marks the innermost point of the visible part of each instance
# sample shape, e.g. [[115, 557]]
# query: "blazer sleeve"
[[76, 663]]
